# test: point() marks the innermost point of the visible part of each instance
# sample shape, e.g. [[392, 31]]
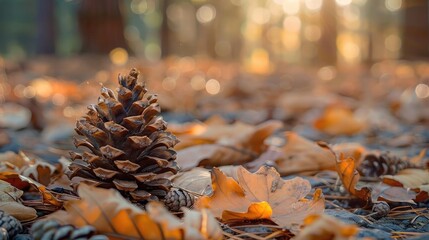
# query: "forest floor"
[[358, 134]]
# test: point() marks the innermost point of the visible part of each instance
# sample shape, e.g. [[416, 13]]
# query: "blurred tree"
[[327, 43], [165, 31], [101, 25], [45, 38], [416, 29]]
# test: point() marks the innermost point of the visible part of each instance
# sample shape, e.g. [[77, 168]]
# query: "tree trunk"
[[416, 30], [45, 40], [101, 25], [327, 43]]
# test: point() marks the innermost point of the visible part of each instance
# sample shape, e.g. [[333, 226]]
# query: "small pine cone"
[[177, 198], [12, 225], [381, 209], [52, 230], [376, 165]]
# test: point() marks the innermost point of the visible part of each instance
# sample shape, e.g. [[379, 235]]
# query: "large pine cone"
[[129, 147], [376, 165]]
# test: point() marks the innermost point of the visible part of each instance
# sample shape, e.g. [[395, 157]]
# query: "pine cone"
[[52, 230], [376, 165], [10, 224], [128, 142], [178, 198]]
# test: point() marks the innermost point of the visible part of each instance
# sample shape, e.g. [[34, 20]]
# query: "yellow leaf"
[[260, 210], [339, 120]]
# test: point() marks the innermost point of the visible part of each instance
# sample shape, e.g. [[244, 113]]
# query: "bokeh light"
[[206, 13], [393, 5], [422, 90], [213, 86], [119, 56]]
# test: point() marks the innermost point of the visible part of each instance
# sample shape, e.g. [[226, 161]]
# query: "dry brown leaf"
[[41, 172], [339, 120], [10, 203], [414, 179], [212, 155], [384, 192], [236, 146], [109, 213], [301, 155], [22, 182], [346, 168], [408, 178], [262, 195], [327, 228]]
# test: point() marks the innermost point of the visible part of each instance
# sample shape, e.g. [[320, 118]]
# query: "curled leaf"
[[346, 168]]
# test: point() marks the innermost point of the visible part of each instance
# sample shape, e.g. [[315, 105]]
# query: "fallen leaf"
[[212, 155], [408, 178], [234, 148], [22, 182], [10, 203], [109, 213], [346, 168], [412, 178], [326, 227], [301, 155], [261, 195], [40, 171], [384, 192], [339, 120]]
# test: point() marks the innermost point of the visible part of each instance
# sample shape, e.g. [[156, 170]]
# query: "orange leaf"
[[260, 210], [109, 213], [248, 197], [338, 120], [346, 168]]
